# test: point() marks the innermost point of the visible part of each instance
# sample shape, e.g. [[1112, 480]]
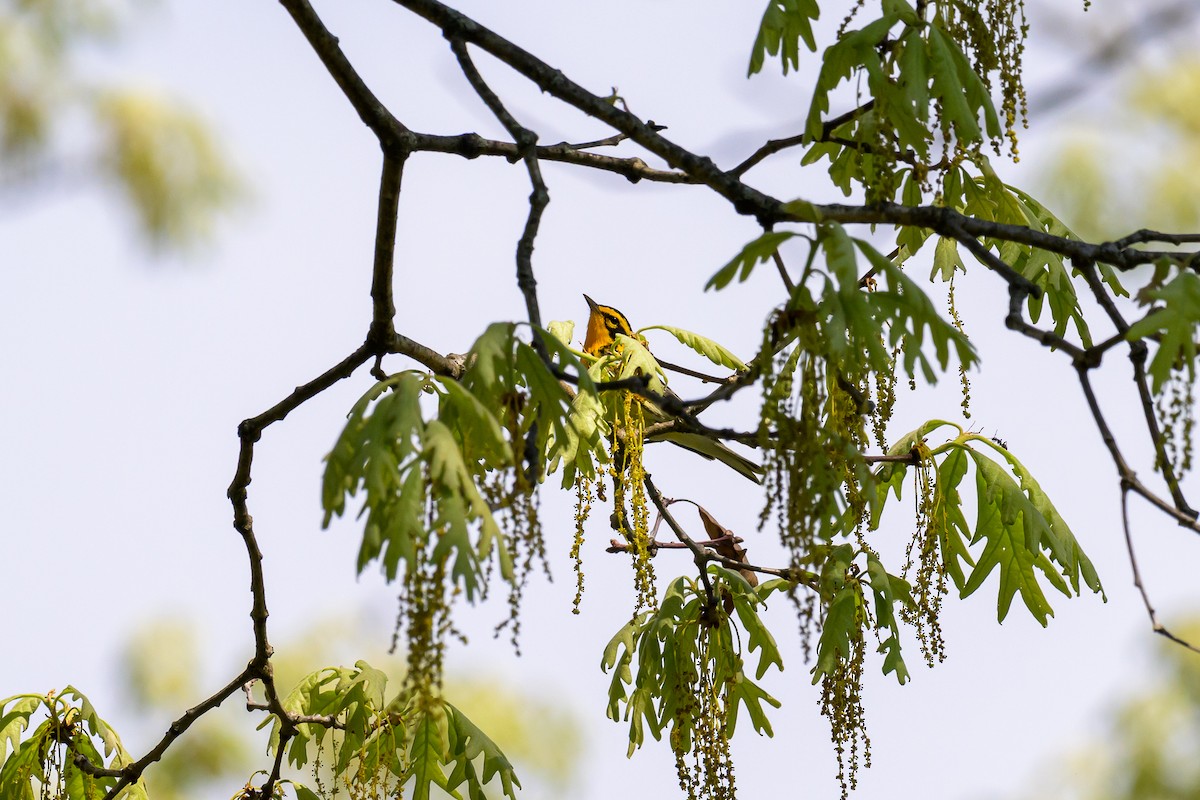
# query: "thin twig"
[[783, 273], [774, 146], [538, 198], [452, 366], [702, 555], [133, 772], [689, 372], [370, 110], [325, 720], [456, 25], [1137, 357], [699, 554], [1144, 235], [951, 223], [1128, 476], [1155, 625], [1015, 321], [472, 145], [267, 790], [993, 262], [611, 141], [615, 546]]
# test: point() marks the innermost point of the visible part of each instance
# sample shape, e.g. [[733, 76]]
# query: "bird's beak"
[[592, 304]]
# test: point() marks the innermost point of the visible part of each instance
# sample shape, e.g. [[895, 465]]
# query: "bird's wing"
[[712, 450]]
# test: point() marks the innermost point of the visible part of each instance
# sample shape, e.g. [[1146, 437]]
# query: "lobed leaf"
[[784, 24], [754, 253], [716, 353], [1174, 323]]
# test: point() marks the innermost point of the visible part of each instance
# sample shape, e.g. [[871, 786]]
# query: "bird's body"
[[605, 323]]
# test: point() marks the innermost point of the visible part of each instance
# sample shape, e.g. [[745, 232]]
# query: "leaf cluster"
[[923, 89], [659, 658], [1018, 533], [46, 755], [422, 473], [1171, 323], [381, 745]]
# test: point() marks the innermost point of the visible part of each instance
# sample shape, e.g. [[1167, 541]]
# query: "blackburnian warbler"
[[605, 323]]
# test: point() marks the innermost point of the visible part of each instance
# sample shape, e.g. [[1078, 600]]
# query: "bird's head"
[[604, 323]]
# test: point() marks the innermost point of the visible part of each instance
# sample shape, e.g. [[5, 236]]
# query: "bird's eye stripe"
[[615, 323]]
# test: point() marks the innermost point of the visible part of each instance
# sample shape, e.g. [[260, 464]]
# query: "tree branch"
[[553, 82], [472, 145], [1155, 625], [383, 306], [133, 772], [703, 555], [539, 198], [371, 111], [774, 146]]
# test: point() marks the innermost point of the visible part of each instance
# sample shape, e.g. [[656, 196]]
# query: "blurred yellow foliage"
[[164, 672], [158, 153], [1136, 167], [1147, 747], [167, 162]]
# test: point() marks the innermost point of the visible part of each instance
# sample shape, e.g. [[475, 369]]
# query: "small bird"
[[604, 324]]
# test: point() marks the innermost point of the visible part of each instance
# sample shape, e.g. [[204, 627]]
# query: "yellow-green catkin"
[[841, 703], [924, 568], [885, 401], [317, 776], [993, 34], [962, 371], [700, 739], [512, 495], [812, 431], [1175, 407], [371, 776], [424, 619], [584, 496], [629, 497]]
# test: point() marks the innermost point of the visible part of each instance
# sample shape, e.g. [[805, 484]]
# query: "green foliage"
[[784, 24], [714, 352], [580, 451], [636, 361], [46, 757], [922, 88], [988, 198], [858, 326], [450, 494], [447, 470], [904, 312], [685, 664], [1018, 532], [395, 456], [840, 327], [754, 253], [165, 158], [158, 152], [381, 746], [1172, 324], [507, 403]]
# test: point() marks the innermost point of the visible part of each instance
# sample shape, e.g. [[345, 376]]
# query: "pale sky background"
[[125, 375]]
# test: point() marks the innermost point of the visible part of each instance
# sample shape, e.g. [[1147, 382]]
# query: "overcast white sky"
[[125, 377]]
